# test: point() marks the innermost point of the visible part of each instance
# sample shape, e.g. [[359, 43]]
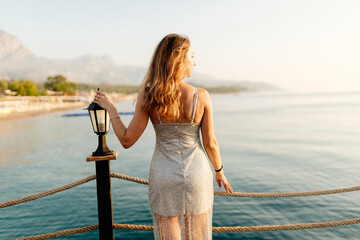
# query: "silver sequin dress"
[[180, 183]]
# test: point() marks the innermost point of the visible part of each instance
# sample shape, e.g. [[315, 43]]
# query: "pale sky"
[[299, 45]]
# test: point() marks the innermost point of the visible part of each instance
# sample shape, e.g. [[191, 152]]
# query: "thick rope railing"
[[251, 195], [133, 227], [266, 228], [146, 182], [214, 229], [47, 193], [300, 226], [128, 178], [61, 233]]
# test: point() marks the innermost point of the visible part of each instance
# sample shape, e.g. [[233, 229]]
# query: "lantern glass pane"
[[101, 120], [93, 120], [107, 122]]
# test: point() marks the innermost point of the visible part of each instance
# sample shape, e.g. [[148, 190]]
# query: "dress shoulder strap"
[[195, 102], [159, 119]]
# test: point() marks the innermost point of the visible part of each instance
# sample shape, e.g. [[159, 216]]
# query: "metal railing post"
[[104, 196]]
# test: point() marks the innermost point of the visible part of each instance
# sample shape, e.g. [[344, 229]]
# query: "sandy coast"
[[23, 115], [16, 108]]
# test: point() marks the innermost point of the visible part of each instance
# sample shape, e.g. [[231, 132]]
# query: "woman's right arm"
[[209, 140], [126, 135]]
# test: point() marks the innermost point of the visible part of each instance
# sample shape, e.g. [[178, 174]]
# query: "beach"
[[28, 114], [16, 108]]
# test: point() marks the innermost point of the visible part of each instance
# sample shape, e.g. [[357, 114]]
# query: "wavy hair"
[[160, 86]]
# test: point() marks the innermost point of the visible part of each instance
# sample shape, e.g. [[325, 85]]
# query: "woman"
[[180, 179]]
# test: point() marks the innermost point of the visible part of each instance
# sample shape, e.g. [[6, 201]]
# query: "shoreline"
[[23, 115], [27, 107]]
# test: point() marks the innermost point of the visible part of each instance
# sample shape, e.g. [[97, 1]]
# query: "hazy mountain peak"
[[108, 57], [94, 63], [11, 48]]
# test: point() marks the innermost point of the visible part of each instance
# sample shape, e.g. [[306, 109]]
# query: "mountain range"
[[18, 62]]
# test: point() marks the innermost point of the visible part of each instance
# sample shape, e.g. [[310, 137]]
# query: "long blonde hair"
[[160, 86]]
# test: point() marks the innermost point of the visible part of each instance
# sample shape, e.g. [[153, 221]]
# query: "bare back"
[[187, 101]]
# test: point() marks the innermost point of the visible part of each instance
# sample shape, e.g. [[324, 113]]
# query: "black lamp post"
[[101, 126]]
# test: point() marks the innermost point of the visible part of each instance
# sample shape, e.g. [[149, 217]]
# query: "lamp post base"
[[102, 149], [92, 158]]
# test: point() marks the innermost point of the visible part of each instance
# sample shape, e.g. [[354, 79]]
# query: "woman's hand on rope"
[[220, 178], [103, 101]]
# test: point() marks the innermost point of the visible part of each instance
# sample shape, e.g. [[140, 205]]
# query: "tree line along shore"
[[59, 86], [24, 98]]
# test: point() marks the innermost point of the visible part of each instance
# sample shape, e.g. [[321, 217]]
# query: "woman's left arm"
[[126, 135]]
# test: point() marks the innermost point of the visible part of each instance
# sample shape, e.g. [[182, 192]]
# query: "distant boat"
[[87, 114]]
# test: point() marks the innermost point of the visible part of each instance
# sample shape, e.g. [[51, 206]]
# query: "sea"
[[269, 142]]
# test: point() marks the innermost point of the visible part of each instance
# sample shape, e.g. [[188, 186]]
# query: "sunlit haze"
[[295, 45]]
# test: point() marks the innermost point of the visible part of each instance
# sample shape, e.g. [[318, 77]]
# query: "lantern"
[[101, 125]]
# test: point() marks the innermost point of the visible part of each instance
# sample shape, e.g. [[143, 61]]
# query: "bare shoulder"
[[204, 96], [140, 99], [203, 93], [140, 103], [141, 96]]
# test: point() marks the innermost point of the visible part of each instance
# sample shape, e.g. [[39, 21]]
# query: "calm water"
[[269, 143]]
